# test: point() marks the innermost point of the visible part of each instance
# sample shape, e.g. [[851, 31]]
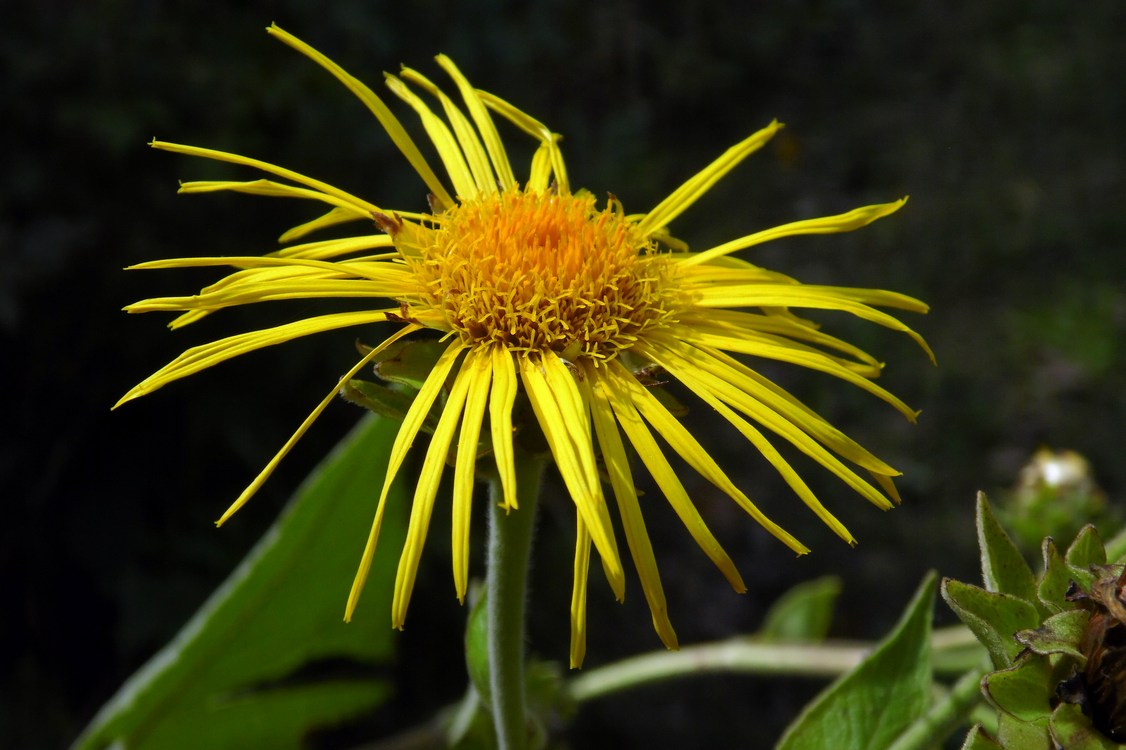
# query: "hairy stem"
[[506, 582]]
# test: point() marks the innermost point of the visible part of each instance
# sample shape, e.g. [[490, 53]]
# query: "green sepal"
[[1021, 690], [1073, 730], [1060, 634], [1014, 734], [803, 613], [409, 361], [1056, 579], [392, 403], [670, 402], [977, 739], [1003, 568], [1086, 550], [993, 617]]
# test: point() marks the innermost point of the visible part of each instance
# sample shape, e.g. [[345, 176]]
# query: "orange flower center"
[[544, 271]]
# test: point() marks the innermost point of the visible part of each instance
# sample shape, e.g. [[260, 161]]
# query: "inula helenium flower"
[[542, 292]]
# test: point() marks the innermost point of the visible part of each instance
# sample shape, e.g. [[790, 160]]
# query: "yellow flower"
[[535, 287]]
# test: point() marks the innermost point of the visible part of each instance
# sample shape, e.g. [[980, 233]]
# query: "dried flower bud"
[[1100, 689]]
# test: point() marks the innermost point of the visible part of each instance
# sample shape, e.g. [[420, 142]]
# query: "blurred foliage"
[[267, 660], [1000, 119], [1056, 495]]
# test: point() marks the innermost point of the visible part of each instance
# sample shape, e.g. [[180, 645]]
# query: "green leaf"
[[1003, 568], [870, 706], [1072, 730], [993, 617], [803, 613], [1060, 634], [268, 659]]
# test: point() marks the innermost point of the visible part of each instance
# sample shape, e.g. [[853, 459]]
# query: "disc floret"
[[544, 271]]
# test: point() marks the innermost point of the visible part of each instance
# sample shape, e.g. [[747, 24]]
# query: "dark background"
[[1002, 120]]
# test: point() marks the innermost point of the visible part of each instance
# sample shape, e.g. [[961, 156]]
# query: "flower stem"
[[954, 650], [506, 579]]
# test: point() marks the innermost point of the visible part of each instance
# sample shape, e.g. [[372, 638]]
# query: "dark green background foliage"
[[1002, 120]]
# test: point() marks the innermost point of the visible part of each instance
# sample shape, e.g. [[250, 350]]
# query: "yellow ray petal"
[[688, 193], [621, 480], [809, 360], [328, 190], [260, 284], [578, 592], [325, 249], [201, 357], [682, 441], [501, 400], [273, 189], [663, 474], [412, 422], [330, 219], [684, 371], [425, 491], [484, 122], [736, 322], [846, 222], [726, 270], [277, 459], [477, 368], [888, 485], [539, 179], [816, 297], [470, 145], [376, 106], [560, 412], [448, 150], [245, 294], [358, 267], [780, 400], [792, 424], [536, 129], [806, 295], [784, 335]]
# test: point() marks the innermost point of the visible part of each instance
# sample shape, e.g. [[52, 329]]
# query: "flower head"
[[542, 293]]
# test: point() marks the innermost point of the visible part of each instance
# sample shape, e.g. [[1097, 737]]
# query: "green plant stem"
[[750, 656], [945, 715], [506, 582]]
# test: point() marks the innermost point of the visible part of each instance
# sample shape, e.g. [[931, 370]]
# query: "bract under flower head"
[[537, 289]]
